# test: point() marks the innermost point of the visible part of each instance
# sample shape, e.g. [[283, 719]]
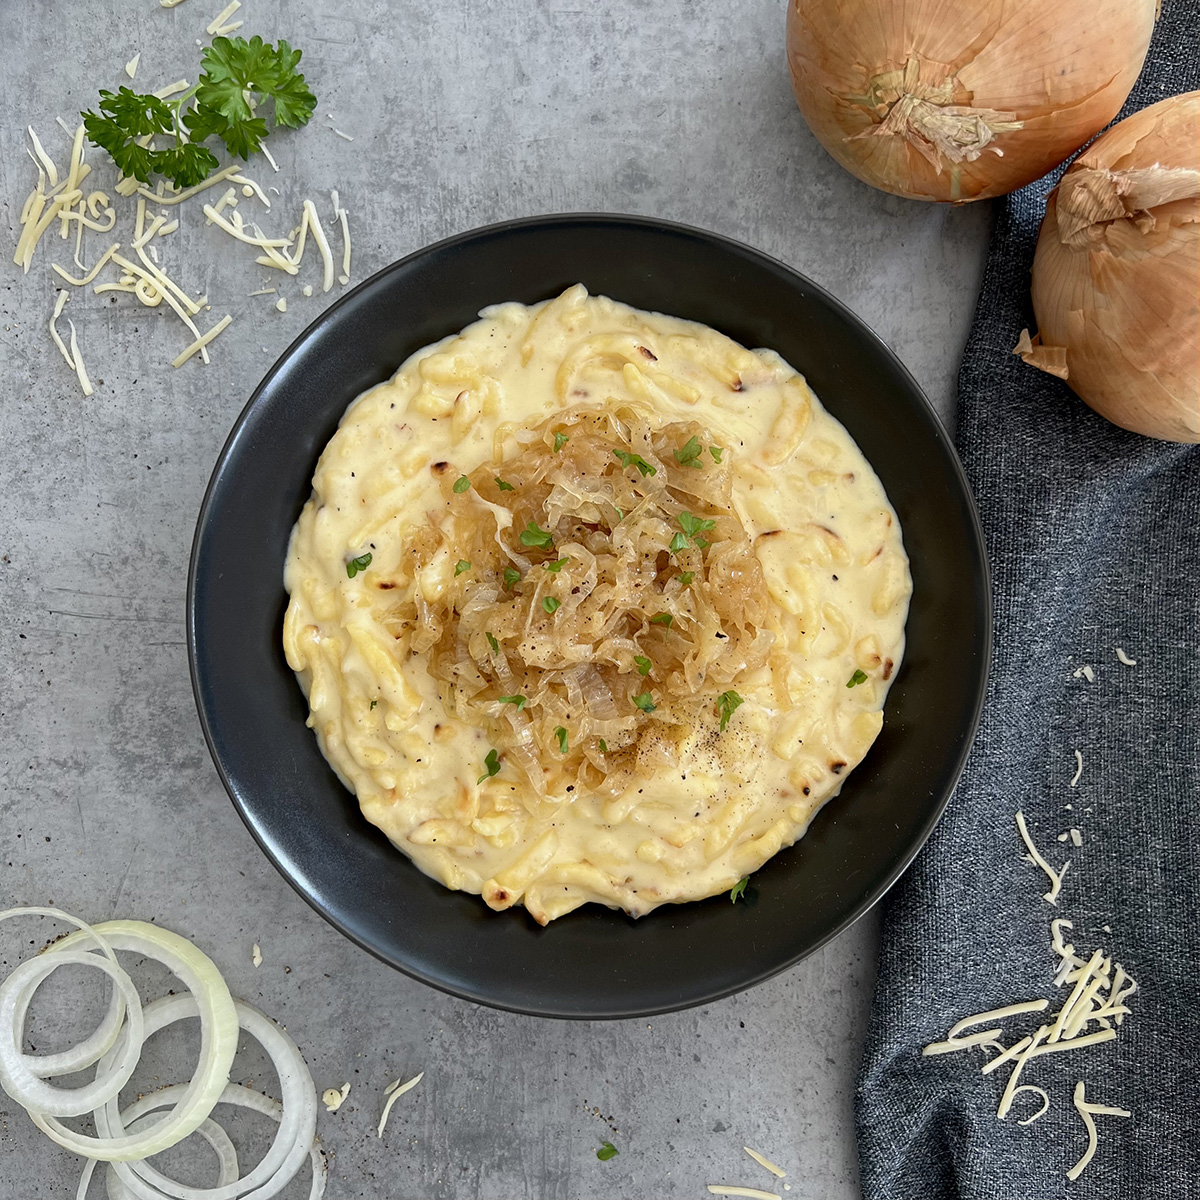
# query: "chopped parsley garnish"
[[857, 678], [689, 455], [504, 485], [361, 563], [561, 734], [373, 703], [644, 665], [560, 440], [607, 1150], [461, 566], [519, 701], [534, 535], [495, 645], [603, 746], [686, 577], [716, 453], [645, 702], [635, 460], [511, 577], [555, 566], [461, 484], [492, 763], [620, 513], [550, 604], [694, 526], [738, 891], [678, 542], [662, 619], [727, 704]]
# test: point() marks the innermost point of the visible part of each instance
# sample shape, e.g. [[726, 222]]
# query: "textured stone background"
[[462, 113]]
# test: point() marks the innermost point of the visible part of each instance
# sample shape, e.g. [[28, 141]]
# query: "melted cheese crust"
[[826, 536]]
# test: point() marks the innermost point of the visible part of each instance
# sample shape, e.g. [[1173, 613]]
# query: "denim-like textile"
[[1092, 539]]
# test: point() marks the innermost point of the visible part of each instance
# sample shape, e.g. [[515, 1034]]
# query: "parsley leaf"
[[644, 665], [689, 455], [561, 734], [716, 453], [857, 678], [511, 577], [603, 746], [492, 763], [550, 604], [557, 565], [461, 566], [361, 563], [534, 535], [461, 484], [560, 440], [693, 526], [662, 619], [519, 701], [686, 577], [234, 68], [373, 703], [727, 704], [635, 460], [495, 645], [607, 1150], [678, 542], [503, 485], [645, 702], [738, 891]]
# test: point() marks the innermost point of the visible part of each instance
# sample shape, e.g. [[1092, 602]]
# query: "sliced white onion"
[[244, 1097], [298, 1123], [218, 1043], [139, 1112], [22, 1084], [128, 1137], [84, 1054]]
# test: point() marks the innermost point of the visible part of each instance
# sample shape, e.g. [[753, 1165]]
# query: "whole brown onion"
[[961, 99], [1116, 274]]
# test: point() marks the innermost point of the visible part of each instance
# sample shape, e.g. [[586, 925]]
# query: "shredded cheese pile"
[[1091, 1015], [61, 198]]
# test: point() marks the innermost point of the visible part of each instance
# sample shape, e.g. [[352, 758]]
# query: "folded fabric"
[[1092, 539]]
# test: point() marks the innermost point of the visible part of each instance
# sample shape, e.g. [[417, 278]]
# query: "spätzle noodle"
[[594, 605]]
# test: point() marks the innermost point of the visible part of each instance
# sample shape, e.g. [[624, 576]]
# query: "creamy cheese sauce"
[[827, 539]]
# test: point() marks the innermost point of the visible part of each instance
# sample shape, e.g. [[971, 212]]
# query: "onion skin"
[[983, 96], [1116, 274]]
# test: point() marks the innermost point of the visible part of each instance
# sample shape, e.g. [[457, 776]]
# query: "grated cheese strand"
[[200, 343], [270, 158], [215, 24], [998, 1014], [132, 65], [1078, 769], [47, 163], [80, 369], [720, 1189], [314, 223], [1124, 658], [987, 1037], [1086, 1111], [63, 296], [239, 232], [180, 85], [1051, 897], [254, 188], [1080, 984], [343, 218], [1029, 1087], [187, 193], [393, 1092], [762, 1161], [1010, 1087]]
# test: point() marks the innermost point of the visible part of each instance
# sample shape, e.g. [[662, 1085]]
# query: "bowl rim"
[[862, 329]]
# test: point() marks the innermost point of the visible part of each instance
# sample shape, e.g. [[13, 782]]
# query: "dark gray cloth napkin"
[[1092, 539]]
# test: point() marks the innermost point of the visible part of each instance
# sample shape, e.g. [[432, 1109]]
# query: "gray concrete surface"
[[462, 113]]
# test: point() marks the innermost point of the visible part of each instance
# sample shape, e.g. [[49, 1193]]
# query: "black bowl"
[[594, 962]]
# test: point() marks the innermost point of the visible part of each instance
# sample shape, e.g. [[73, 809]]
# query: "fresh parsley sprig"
[[237, 77]]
